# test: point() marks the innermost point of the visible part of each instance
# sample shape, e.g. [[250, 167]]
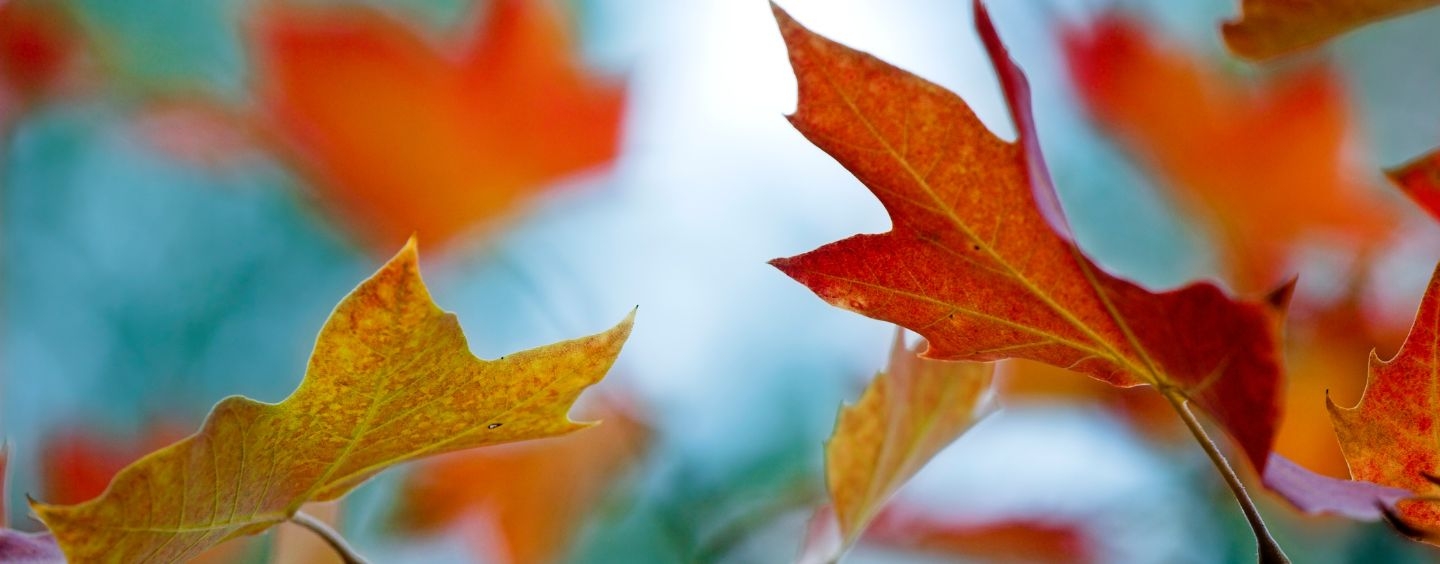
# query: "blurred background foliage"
[[189, 186]]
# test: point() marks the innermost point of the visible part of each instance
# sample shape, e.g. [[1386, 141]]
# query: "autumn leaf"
[[1420, 179], [1286, 178], [911, 411], [403, 137], [978, 261], [1270, 28], [391, 379], [1389, 437], [531, 497]]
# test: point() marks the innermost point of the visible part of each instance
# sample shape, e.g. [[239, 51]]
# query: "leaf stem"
[[1270, 552], [331, 537]]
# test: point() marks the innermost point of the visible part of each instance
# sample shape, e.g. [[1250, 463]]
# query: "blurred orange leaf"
[[979, 260], [911, 411], [534, 496], [1263, 167], [403, 137], [1270, 28], [391, 379], [1389, 437]]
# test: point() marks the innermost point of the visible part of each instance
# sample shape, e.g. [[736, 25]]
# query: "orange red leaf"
[[1270, 28], [979, 263], [403, 137]]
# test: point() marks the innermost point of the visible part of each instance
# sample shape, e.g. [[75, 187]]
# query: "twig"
[[331, 537], [1270, 552]]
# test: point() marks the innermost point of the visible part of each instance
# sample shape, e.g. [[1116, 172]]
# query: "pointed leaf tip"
[[1279, 298], [910, 411]]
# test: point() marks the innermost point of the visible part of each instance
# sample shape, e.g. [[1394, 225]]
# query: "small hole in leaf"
[[493, 425]]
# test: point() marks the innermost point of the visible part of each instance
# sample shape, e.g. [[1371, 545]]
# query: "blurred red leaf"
[[38, 40], [532, 496], [1263, 167], [403, 137], [77, 463], [1270, 28], [998, 540]]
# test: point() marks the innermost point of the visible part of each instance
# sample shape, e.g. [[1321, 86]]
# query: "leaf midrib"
[[1149, 373]]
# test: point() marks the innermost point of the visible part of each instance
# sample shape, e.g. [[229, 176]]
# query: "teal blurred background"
[[141, 286]]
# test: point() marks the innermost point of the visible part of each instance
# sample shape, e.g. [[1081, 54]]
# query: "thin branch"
[[1270, 552], [331, 537]]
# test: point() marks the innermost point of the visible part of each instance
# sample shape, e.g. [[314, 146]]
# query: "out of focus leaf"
[[18, 547], [999, 540], [39, 41], [523, 503], [1317, 494], [391, 379], [76, 464], [979, 260], [1263, 167], [1270, 28], [909, 413], [402, 137], [29, 548]]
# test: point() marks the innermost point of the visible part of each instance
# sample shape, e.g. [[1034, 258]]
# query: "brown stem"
[[331, 537], [1270, 552]]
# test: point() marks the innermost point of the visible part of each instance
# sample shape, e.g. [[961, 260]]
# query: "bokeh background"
[[190, 186]]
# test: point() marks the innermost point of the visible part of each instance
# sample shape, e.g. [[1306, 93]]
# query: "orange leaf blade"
[[391, 379]]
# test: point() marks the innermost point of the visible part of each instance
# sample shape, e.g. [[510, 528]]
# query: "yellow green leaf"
[[391, 379], [907, 415]]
